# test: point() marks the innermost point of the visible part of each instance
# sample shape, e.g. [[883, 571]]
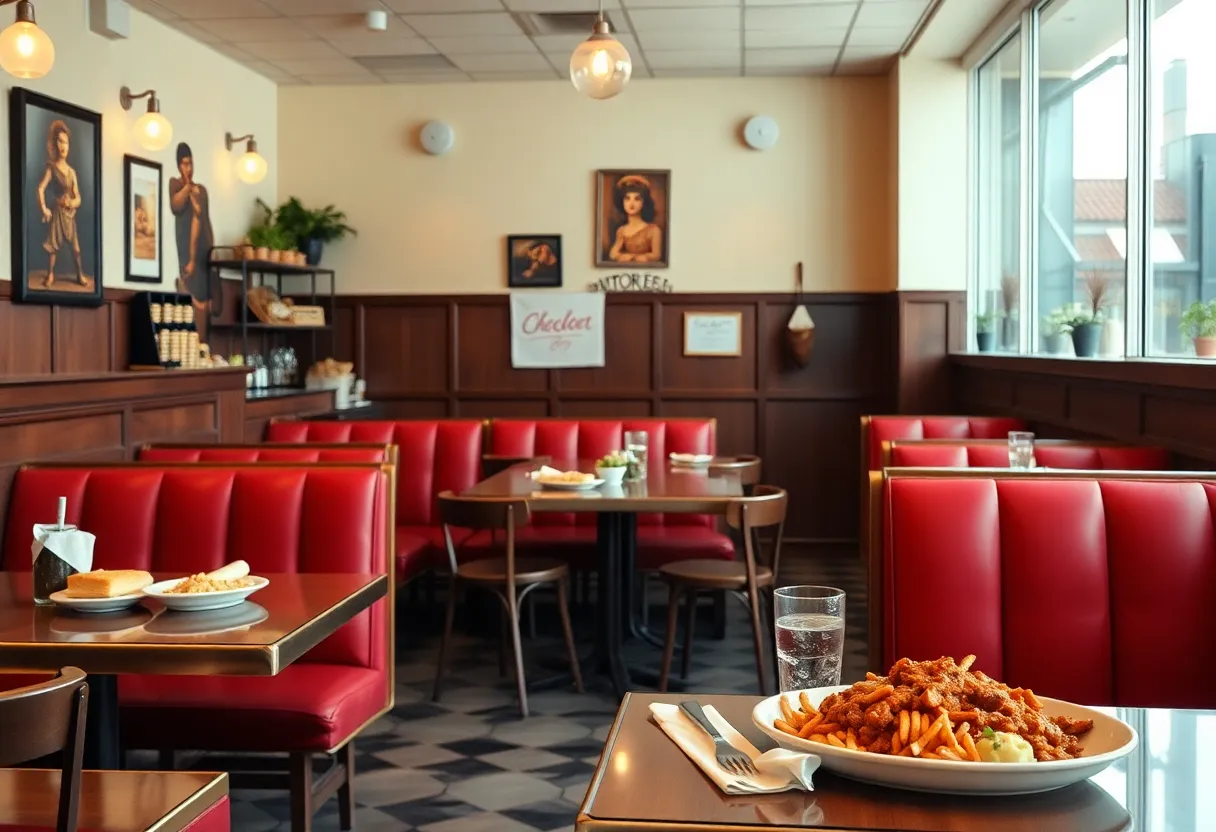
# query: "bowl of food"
[[556, 480], [225, 587], [611, 468], [103, 590], [938, 726]]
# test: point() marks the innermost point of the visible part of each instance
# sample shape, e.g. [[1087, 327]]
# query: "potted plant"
[[1198, 323], [259, 241], [611, 468], [1057, 328], [1087, 326], [312, 229], [985, 330]]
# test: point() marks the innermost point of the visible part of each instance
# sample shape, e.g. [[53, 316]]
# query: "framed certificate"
[[712, 334]]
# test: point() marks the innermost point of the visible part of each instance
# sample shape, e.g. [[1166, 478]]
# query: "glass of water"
[[1021, 449], [810, 636], [636, 444]]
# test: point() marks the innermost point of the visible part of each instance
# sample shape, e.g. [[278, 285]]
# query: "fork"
[[729, 758]]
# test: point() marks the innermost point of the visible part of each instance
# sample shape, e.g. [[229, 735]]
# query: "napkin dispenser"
[[59, 550]]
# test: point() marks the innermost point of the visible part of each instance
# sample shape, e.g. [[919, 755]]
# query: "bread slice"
[[232, 572], [103, 583]]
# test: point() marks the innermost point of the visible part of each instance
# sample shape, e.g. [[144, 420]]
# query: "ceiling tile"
[[515, 76], [334, 26], [300, 8], [154, 9], [701, 72], [694, 58], [423, 78], [196, 10], [321, 66], [461, 25], [566, 6], [291, 50], [485, 44], [340, 80], [891, 13], [865, 66], [777, 38], [785, 71], [372, 45], [675, 39], [269, 70], [686, 19], [811, 57], [565, 44], [234, 52], [257, 30], [865, 53], [501, 63], [799, 17], [884, 36], [198, 33], [436, 6], [676, 4]]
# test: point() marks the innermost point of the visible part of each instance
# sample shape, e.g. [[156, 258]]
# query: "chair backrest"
[[746, 466], [764, 509], [482, 514], [43, 719], [1049, 453], [279, 452]]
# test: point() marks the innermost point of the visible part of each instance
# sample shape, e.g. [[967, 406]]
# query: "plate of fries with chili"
[[939, 726]]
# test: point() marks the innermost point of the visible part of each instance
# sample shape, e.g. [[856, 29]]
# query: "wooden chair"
[[45, 718], [747, 466], [743, 579], [509, 578]]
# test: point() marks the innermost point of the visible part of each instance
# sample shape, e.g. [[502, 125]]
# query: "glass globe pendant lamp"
[[152, 130], [600, 67], [25, 50]]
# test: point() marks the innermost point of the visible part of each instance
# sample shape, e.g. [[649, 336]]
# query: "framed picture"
[[141, 182], [55, 181], [633, 217], [713, 334], [534, 260]]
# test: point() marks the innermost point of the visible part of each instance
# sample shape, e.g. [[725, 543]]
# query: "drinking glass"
[[810, 636], [636, 444], [1021, 449]]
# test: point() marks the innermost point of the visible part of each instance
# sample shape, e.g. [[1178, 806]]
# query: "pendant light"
[[25, 50], [251, 167], [152, 130], [600, 67]]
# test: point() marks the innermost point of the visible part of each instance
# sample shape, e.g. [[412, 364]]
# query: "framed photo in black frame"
[[534, 261], [141, 182], [55, 199]]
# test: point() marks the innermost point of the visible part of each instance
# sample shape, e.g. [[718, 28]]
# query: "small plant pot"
[[612, 476], [261, 253], [247, 252], [276, 256], [985, 341], [1086, 339], [1056, 344], [1205, 347], [313, 248]]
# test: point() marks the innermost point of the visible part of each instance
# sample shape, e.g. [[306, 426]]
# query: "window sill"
[[1194, 373]]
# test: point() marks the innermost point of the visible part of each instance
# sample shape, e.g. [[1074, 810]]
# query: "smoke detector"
[[377, 20]]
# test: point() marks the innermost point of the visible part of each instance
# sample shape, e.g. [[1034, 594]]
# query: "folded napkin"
[[780, 769], [545, 471], [68, 543]]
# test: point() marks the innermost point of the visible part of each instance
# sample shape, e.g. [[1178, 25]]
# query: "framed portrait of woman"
[[633, 218], [55, 182]]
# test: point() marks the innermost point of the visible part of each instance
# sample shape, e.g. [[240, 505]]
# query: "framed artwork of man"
[[191, 207]]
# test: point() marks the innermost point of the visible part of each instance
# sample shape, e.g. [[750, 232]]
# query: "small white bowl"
[[611, 476]]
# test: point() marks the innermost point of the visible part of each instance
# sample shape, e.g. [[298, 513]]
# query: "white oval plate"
[[691, 459], [1109, 740], [96, 605], [570, 486], [196, 601]]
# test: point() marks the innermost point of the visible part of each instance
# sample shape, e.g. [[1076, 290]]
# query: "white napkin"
[[780, 769], [69, 543], [545, 471]]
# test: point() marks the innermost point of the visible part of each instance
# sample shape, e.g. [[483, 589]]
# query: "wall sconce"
[[152, 130], [251, 167], [25, 50]]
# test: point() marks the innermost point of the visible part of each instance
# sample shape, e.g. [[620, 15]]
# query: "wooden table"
[[644, 781], [666, 490], [285, 620]]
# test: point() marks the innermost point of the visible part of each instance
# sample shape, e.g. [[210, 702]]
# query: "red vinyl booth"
[[1098, 589], [303, 453], [186, 519], [661, 538], [1049, 453], [433, 455], [878, 429]]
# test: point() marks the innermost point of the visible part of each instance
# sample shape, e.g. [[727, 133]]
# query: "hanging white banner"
[[557, 329]]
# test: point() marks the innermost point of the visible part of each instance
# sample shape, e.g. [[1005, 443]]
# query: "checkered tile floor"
[[469, 763]]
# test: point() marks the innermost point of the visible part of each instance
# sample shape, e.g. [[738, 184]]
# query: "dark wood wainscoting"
[[442, 356], [36, 339], [1169, 404], [931, 326]]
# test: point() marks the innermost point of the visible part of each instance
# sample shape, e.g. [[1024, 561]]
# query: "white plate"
[[196, 601], [1109, 740], [95, 605], [570, 486], [691, 459], [208, 623]]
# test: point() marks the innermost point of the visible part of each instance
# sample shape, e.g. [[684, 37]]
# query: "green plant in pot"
[[1198, 323], [1057, 327], [1087, 326], [985, 330], [312, 229]]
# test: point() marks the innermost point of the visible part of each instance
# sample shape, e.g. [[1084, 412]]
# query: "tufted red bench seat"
[[1048, 453], [433, 455], [661, 538], [280, 518], [304, 453], [1096, 588]]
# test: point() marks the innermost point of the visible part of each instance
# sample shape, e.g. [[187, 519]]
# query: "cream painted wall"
[[202, 93], [524, 162], [932, 174]]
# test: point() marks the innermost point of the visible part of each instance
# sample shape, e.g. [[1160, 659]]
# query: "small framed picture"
[[633, 218], [141, 222], [713, 334], [534, 261]]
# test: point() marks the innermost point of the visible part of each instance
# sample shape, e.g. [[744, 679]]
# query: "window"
[[999, 247], [1081, 253], [1182, 167]]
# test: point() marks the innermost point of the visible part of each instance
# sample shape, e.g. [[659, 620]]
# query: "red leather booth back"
[[262, 453], [889, 428], [190, 519], [996, 455], [573, 439], [433, 455], [1100, 591]]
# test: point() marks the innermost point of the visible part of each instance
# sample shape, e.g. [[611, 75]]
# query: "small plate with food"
[[691, 460], [556, 480], [938, 726], [103, 590], [225, 587]]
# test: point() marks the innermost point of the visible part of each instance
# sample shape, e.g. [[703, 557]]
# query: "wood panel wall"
[[446, 356]]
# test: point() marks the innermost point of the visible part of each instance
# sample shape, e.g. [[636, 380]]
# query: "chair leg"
[[719, 630], [521, 683], [346, 792], [504, 648], [690, 624], [568, 631], [669, 642], [753, 598], [532, 616], [449, 619], [300, 780]]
